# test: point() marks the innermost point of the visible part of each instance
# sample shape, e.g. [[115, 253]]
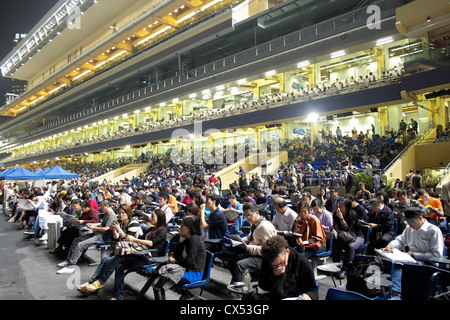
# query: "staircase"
[[129, 171]]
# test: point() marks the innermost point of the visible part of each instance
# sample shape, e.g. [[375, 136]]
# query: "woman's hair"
[[193, 224], [273, 247], [348, 204], [160, 224], [316, 202], [127, 209], [385, 196], [303, 204], [193, 209], [161, 216]]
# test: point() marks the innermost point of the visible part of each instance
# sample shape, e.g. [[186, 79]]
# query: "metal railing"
[[417, 140], [444, 173], [302, 37]]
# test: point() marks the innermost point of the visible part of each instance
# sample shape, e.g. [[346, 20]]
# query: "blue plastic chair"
[[324, 255], [340, 294], [366, 233], [206, 275], [423, 282], [104, 245]]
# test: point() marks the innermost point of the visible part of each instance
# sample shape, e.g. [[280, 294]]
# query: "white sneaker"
[[44, 237], [63, 264], [11, 220], [28, 232], [66, 270]]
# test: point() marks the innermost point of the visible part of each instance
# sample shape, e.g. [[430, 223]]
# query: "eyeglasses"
[[281, 264], [249, 215]]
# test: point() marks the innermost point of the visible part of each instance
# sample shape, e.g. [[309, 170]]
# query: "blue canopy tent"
[[21, 174], [8, 171], [38, 171], [58, 173], [45, 170]]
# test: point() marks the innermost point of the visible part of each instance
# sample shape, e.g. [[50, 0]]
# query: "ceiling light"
[[384, 41], [337, 54], [303, 64]]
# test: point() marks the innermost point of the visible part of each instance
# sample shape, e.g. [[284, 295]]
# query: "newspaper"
[[70, 219], [235, 240], [396, 256], [24, 204], [230, 214]]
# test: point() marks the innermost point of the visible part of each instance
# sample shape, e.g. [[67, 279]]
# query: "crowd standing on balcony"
[[266, 101]]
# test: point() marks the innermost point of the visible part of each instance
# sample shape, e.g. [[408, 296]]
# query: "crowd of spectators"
[[281, 224], [269, 213]]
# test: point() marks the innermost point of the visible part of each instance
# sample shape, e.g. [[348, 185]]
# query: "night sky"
[[17, 16]]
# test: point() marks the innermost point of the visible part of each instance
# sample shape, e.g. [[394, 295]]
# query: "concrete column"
[[288, 82], [439, 115], [394, 116], [383, 121], [187, 108]]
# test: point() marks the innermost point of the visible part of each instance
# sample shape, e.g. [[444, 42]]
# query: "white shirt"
[[125, 199], [426, 242], [285, 221], [168, 212], [40, 204]]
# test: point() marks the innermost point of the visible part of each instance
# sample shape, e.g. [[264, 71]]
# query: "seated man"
[[285, 273], [332, 202], [80, 244], [260, 231], [216, 223], [261, 197], [284, 216], [381, 223], [434, 206], [236, 206], [403, 203], [422, 239], [164, 206], [363, 193]]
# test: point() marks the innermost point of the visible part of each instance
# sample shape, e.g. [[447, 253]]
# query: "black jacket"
[[296, 280]]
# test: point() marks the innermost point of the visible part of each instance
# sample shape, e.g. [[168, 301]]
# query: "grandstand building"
[[108, 79]]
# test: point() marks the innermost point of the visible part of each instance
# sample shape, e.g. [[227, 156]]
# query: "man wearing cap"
[[423, 239]]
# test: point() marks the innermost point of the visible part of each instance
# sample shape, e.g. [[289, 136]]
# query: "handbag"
[[124, 247], [346, 236], [357, 271]]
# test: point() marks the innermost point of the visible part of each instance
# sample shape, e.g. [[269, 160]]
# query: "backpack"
[[352, 178], [358, 271]]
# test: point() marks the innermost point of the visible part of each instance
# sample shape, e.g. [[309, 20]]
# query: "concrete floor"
[[28, 272]]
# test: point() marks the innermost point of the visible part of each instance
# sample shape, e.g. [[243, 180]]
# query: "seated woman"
[[68, 232], [313, 239], [155, 238], [188, 261], [347, 232], [127, 228]]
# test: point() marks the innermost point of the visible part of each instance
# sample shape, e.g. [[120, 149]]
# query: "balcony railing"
[[268, 101]]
